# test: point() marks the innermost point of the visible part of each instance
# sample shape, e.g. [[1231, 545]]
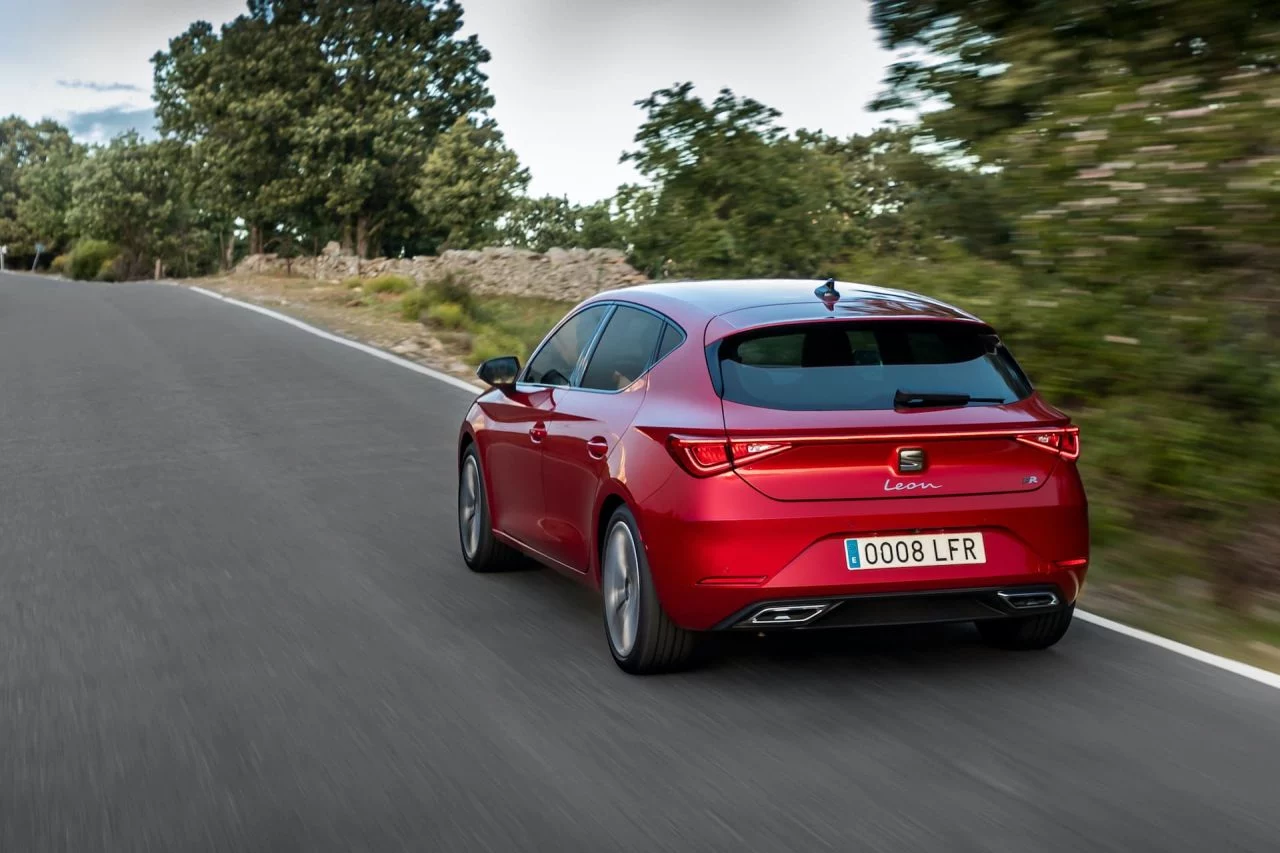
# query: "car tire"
[[641, 637], [481, 550], [1027, 632]]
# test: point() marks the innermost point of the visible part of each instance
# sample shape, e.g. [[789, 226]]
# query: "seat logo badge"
[[910, 460], [1031, 481]]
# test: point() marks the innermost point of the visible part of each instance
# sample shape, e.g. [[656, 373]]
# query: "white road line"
[[1262, 676], [338, 339]]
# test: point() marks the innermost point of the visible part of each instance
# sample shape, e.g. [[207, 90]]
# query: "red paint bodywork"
[[775, 528]]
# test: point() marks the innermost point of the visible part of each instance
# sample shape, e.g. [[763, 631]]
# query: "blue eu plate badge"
[[851, 554]]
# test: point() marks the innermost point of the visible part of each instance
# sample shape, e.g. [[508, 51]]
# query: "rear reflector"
[[1064, 442], [704, 457]]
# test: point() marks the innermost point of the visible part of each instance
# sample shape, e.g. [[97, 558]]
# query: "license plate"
[[897, 552]]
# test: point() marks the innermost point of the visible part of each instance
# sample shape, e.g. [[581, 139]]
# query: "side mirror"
[[499, 372]]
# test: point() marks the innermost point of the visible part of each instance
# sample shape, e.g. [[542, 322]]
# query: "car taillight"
[[1064, 442], [705, 457]]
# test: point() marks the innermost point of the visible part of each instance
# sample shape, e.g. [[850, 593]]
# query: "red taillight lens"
[[1064, 442], [704, 457]]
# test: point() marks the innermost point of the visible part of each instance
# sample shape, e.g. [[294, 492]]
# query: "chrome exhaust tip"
[[1029, 600], [794, 614]]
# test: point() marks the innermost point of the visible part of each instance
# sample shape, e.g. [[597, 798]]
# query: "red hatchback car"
[[770, 455]]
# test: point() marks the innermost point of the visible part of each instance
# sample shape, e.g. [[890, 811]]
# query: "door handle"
[[538, 432], [597, 447]]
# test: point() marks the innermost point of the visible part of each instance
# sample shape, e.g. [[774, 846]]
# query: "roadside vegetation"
[[1098, 180]]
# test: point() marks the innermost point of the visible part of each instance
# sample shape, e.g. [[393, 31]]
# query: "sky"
[[565, 73]]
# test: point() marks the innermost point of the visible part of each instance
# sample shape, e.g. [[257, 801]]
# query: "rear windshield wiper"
[[922, 399]]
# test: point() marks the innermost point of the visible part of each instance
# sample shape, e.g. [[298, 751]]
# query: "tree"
[[729, 192], [236, 99], [391, 77], [24, 146], [550, 222], [130, 193], [469, 181], [46, 199], [1136, 146]]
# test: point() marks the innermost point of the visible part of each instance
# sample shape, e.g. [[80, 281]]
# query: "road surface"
[[234, 617]]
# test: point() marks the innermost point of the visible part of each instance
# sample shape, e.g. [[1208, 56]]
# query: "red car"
[[770, 455]]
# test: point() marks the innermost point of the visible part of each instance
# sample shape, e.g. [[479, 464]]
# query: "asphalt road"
[[233, 617]]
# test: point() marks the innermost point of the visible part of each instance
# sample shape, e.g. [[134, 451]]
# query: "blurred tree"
[[729, 193], [469, 181], [1137, 147]]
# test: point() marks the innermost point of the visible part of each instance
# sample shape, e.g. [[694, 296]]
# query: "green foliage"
[[448, 315], [354, 282], [131, 193], [468, 182], [60, 264], [549, 222], [88, 258], [389, 283], [451, 287], [109, 271], [25, 149], [321, 114], [493, 343], [1136, 150], [413, 304]]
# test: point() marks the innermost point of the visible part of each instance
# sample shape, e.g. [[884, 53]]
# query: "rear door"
[[813, 409], [585, 424]]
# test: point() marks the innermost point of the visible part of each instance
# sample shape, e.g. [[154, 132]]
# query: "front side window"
[[554, 363], [625, 350], [862, 365]]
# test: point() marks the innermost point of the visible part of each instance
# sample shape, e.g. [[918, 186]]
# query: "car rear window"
[[861, 365]]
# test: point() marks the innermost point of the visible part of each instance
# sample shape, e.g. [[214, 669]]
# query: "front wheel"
[[641, 637], [1027, 632], [481, 551]]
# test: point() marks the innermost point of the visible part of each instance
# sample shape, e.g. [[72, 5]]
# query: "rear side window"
[[555, 363], [625, 350], [863, 364]]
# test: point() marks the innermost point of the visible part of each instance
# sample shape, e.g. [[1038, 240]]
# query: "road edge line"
[[338, 339], [1254, 673]]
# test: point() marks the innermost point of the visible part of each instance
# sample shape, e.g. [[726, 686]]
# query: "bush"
[[109, 270], [60, 264], [451, 287], [89, 257], [448, 315], [355, 282], [492, 344], [413, 304], [389, 283]]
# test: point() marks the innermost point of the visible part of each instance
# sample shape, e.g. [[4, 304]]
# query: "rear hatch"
[[883, 408]]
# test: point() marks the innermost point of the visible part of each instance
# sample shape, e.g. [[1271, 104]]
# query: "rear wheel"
[[480, 550], [1027, 632], [641, 637]]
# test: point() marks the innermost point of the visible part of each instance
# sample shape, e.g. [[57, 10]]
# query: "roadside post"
[[36, 260], [4, 250]]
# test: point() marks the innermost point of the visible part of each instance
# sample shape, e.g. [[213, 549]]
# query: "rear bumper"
[[718, 551], [896, 608]]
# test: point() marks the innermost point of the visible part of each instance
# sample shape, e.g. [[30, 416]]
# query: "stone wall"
[[566, 274]]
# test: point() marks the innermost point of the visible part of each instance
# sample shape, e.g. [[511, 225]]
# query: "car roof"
[[779, 300]]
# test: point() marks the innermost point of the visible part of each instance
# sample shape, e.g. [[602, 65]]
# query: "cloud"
[[99, 87], [101, 125]]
